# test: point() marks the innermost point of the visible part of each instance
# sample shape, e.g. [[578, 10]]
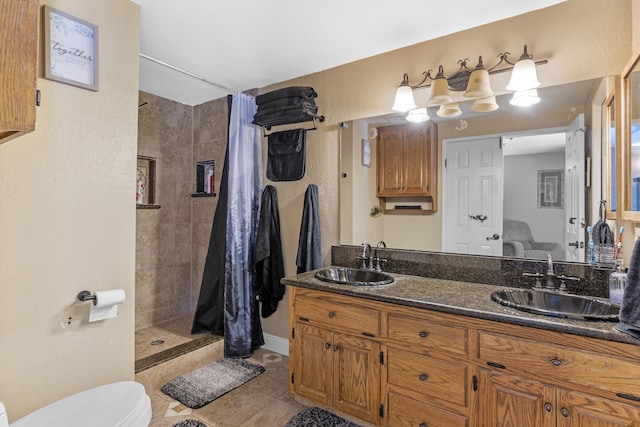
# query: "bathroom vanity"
[[439, 353]]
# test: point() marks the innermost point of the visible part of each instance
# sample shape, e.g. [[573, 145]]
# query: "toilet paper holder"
[[87, 296]]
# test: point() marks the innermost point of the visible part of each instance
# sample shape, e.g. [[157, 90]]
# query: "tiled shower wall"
[[172, 241]]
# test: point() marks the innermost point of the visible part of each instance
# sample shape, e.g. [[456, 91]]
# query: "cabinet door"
[[389, 160], [581, 410], [357, 377], [312, 363], [510, 401], [18, 67], [416, 162]]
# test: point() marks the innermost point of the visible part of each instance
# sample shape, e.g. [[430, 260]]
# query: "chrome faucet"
[[550, 273], [551, 276], [365, 256]]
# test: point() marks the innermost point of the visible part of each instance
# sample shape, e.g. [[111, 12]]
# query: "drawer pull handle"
[[628, 396], [564, 412], [423, 334], [327, 345], [423, 425], [556, 362], [548, 407], [304, 319], [496, 365], [331, 315], [423, 377]]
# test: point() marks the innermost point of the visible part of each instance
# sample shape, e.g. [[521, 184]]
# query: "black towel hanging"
[[286, 159]]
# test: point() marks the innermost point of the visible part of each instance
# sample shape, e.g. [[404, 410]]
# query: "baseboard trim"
[[276, 344]]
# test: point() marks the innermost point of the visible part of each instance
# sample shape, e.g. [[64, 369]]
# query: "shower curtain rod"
[[180, 70]]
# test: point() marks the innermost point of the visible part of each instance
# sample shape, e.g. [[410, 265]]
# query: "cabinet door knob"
[[548, 407], [327, 345], [331, 315], [423, 334], [556, 362], [564, 412], [423, 425], [335, 347], [422, 377]]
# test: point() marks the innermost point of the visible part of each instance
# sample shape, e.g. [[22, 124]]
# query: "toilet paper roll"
[[106, 304]]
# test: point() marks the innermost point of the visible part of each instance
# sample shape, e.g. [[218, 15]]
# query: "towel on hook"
[[286, 155], [309, 244], [287, 92], [268, 261], [630, 307]]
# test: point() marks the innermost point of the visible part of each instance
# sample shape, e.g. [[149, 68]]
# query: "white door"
[[574, 191], [473, 197]]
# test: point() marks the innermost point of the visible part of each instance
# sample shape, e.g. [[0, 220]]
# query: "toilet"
[[120, 404]]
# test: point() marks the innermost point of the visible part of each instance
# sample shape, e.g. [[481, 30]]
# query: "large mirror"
[[534, 153]]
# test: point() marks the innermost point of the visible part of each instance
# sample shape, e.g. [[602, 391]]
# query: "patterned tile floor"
[[263, 401]]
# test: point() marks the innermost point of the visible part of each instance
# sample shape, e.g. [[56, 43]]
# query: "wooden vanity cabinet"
[[335, 362], [399, 366], [406, 160], [18, 67], [508, 400]]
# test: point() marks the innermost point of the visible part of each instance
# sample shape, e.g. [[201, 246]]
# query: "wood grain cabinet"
[[397, 366], [508, 400], [18, 67], [335, 362], [406, 160]]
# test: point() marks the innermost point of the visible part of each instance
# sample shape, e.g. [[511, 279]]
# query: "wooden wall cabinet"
[[18, 67], [407, 160], [399, 366]]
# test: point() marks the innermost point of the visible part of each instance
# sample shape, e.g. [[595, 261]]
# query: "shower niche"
[[205, 179], [146, 183]]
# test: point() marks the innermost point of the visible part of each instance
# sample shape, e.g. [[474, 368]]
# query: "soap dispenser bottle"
[[617, 282]]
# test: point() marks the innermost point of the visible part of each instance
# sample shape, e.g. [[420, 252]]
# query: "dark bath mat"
[[190, 423], [206, 384], [316, 417]]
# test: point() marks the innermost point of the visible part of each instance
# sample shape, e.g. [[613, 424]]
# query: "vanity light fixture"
[[525, 98], [475, 83], [418, 115]]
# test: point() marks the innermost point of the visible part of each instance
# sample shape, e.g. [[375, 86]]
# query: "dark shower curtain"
[[209, 316], [227, 303]]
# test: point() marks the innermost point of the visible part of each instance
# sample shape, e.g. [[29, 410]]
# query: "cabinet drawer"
[[554, 362], [338, 316], [431, 377], [406, 412], [434, 336]]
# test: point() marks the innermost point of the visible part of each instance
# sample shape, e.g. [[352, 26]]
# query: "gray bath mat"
[[190, 423], [206, 384], [316, 417]]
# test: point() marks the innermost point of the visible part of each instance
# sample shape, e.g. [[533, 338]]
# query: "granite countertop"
[[461, 298]]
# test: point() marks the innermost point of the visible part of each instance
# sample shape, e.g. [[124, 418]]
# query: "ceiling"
[[193, 51]]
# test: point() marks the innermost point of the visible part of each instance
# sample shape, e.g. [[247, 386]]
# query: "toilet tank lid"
[[108, 405]]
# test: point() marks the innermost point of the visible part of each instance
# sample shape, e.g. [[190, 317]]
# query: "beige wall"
[[67, 223], [582, 39]]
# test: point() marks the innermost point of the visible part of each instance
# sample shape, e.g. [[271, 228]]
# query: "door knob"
[[480, 218], [576, 244], [494, 237]]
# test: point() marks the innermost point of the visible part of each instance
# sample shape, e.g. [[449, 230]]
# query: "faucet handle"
[[378, 261], [538, 284]]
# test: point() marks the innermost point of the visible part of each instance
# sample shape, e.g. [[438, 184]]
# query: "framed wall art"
[[551, 189], [70, 49]]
